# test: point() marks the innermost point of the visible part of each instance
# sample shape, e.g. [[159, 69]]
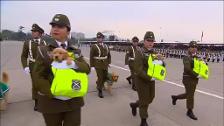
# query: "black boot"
[[133, 109], [100, 93], [35, 105], [144, 122], [129, 80], [174, 100], [191, 115]]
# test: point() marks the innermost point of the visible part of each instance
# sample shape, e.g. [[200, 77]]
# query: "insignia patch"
[[162, 72], [206, 72], [56, 19], [76, 84]]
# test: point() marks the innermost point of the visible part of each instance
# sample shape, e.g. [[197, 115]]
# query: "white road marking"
[[170, 82]]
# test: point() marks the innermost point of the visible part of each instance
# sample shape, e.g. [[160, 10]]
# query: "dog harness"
[[201, 68], [68, 83], [156, 69]]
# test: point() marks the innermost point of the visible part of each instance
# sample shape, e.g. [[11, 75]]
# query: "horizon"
[[169, 20]]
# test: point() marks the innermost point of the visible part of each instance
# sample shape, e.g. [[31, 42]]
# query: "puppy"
[[111, 78], [60, 54], [4, 91]]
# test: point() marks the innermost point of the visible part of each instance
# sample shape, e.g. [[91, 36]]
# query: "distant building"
[[78, 35]]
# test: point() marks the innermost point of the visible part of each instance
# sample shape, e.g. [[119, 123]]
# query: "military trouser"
[[190, 87], [70, 118], [101, 77], [34, 90], [146, 94], [132, 76]]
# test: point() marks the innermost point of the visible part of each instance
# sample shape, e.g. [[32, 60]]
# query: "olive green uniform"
[[129, 60], [28, 58], [190, 81], [100, 65], [145, 86], [55, 110]]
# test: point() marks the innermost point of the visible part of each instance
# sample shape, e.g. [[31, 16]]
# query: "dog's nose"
[[56, 57]]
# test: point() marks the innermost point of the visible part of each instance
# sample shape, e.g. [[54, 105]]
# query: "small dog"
[[111, 78], [60, 54], [4, 91]]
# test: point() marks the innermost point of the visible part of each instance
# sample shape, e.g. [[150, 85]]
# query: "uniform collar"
[[59, 43], [55, 44]]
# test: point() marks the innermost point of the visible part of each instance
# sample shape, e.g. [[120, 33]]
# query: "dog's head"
[[114, 77], [60, 54]]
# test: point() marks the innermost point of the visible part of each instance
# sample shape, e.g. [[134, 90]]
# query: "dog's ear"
[[65, 55]]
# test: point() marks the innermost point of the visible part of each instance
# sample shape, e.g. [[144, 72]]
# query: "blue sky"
[[170, 20]]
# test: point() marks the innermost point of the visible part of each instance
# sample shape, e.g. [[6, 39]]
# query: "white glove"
[[153, 79], [126, 66], [198, 76], [27, 70], [73, 65], [92, 68]]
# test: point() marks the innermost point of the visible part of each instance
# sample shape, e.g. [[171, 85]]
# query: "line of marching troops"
[[207, 56], [64, 110]]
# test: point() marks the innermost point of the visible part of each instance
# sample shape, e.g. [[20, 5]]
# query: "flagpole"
[[201, 35]]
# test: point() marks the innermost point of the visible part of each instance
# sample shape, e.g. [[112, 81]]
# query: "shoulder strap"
[[133, 51], [30, 50], [98, 49]]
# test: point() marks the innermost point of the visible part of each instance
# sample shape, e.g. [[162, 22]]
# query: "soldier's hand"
[[27, 70], [92, 68], [159, 57]]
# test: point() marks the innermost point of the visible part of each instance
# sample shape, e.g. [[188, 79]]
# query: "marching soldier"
[[100, 59], [190, 80], [129, 60], [29, 55], [145, 84], [56, 110]]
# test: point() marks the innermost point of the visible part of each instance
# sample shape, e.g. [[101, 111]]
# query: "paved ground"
[[114, 110]]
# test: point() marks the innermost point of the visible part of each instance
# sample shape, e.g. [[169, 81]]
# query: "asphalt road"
[[114, 110]]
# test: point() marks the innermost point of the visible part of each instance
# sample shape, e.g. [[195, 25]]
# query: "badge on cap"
[[56, 19]]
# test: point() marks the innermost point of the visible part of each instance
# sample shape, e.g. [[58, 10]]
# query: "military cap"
[[35, 27], [99, 35], [135, 39], [193, 44], [62, 20], [149, 35]]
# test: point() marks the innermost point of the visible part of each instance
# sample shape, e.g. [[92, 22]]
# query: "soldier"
[[29, 55], [58, 111], [190, 80], [100, 59], [145, 84], [129, 60]]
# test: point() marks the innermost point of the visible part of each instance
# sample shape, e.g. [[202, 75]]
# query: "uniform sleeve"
[[138, 67], [91, 56], [24, 54], [127, 55], [42, 75], [83, 66], [109, 57], [188, 66]]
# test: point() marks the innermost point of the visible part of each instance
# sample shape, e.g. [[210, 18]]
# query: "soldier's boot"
[[144, 122], [174, 100], [35, 105], [133, 108], [191, 115], [100, 93], [129, 79]]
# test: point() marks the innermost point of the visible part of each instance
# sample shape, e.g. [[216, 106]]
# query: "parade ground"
[[114, 110]]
